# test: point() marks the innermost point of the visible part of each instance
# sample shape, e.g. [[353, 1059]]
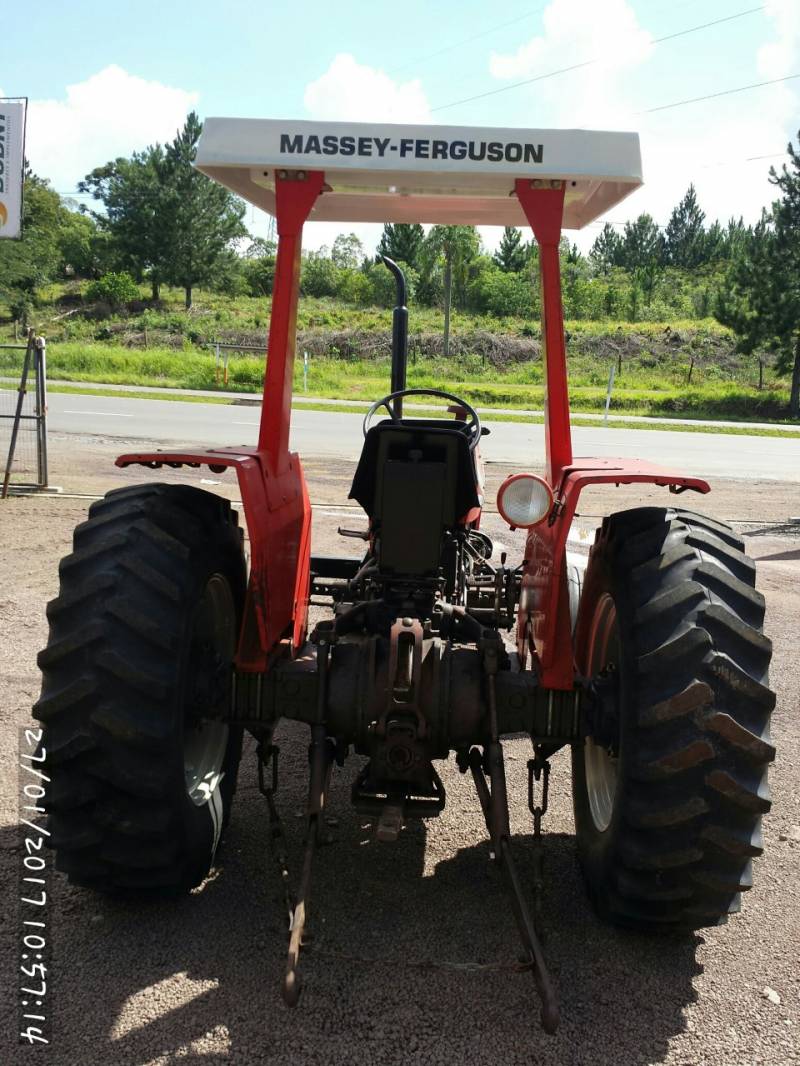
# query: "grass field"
[[678, 369], [638, 390]]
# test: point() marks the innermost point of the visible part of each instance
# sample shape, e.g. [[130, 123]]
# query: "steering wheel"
[[472, 429]]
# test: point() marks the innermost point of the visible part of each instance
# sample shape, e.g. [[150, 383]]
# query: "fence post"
[[41, 409], [23, 385], [608, 394], [305, 371]]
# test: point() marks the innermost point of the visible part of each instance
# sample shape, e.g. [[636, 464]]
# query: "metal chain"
[[538, 769]]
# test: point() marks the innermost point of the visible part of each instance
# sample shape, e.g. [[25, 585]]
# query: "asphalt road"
[[325, 433]]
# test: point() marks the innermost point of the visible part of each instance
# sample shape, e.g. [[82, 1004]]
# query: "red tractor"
[[651, 665]]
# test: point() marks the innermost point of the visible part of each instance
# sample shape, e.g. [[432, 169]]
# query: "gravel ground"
[[414, 943]]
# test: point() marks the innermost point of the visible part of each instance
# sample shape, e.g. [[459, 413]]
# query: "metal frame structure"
[[275, 496], [36, 359]]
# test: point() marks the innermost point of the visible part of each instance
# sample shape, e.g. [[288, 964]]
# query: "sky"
[[106, 80]]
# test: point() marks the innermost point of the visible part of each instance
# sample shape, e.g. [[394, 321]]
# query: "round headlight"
[[524, 499]]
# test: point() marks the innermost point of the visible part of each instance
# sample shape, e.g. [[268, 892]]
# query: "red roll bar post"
[[543, 204], [296, 193]]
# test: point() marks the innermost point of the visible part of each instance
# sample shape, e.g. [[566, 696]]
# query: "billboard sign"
[[12, 159]]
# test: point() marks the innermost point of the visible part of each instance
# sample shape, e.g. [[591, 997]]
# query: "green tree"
[[606, 252], [715, 243], [760, 297], [29, 263], [512, 254], [736, 237], [402, 242], [576, 284], [201, 218], [259, 266], [168, 221], [319, 275], [786, 315], [642, 254], [457, 247], [84, 249], [347, 251], [134, 216], [685, 235], [642, 243], [746, 297]]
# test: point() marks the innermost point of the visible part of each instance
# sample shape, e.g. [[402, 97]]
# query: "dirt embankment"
[[501, 350]]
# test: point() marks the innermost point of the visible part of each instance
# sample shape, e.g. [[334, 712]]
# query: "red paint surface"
[[274, 493], [544, 209], [275, 497], [544, 629]]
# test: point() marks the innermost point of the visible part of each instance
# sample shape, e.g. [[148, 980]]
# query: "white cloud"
[[349, 91], [775, 59], [605, 33], [705, 143], [111, 114], [716, 144]]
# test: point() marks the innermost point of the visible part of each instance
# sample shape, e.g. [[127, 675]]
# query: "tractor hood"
[[455, 175]]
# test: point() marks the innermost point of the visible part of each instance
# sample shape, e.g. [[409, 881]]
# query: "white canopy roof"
[[457, 175]]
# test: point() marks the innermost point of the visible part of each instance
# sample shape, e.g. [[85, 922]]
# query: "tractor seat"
[[415, 479]]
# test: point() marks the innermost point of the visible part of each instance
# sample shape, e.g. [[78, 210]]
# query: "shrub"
[[114, 289], [319, 275], [496, 292]]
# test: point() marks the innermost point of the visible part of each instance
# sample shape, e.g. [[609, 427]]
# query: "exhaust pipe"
[[399, 333]]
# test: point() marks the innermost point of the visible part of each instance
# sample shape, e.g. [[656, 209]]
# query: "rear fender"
[[544, 625], [277, 512]]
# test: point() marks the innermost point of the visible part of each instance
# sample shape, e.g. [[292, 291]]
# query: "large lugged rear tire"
[[669, 793], [137, 666]]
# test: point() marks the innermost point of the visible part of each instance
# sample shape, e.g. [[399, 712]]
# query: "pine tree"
[[736, 236], [203, 218], [512, 254], [786, 264], [642, 243], [715, 243], [642, 253], [760, 298], [606, 251], [402, 242], [685, 236]]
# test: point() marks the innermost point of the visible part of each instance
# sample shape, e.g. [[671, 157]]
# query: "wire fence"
[[222, 352]]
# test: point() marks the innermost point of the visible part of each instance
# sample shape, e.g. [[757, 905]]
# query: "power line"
[[715, 96], [467, 40], [748, 159], [596, 59]]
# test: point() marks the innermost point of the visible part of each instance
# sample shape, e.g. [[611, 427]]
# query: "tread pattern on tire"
[[696, 744], [110, 702]]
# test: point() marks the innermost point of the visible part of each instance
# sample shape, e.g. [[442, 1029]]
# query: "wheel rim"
[[600, 764], [213, 645]]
